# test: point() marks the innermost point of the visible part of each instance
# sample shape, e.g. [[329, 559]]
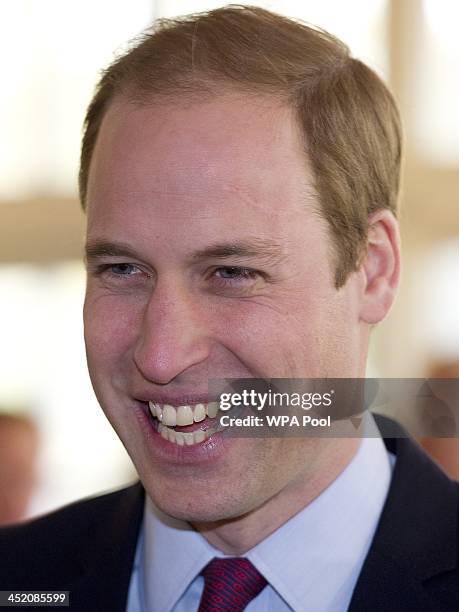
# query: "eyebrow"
[[103, 248], [263, 249], [259, 248]]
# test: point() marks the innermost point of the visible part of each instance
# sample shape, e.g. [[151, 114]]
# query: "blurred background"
[[51, 53]]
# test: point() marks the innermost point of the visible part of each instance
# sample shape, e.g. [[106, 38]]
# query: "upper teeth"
[[183, 415]]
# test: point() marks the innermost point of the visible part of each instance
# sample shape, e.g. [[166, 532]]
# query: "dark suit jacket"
[[88, 547]]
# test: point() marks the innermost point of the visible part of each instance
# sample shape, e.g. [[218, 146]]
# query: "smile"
[[179, 424]]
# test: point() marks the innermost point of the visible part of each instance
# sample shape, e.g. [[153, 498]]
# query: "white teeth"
[[199, 436], [212, 410], [184, 439], [156, 410], [179, 439], [169, 416], [199, 413], [184, 415], [189, 438]]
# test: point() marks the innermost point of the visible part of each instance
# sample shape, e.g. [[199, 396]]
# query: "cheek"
[[111, 326], [298, 333], [269, 336]]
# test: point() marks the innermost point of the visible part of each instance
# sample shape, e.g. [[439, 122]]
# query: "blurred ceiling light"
[[436, 96], [442, 18], [51, 52]]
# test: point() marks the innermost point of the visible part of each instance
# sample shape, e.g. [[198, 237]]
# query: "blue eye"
[[121, 276], [232, 273], [123, 269]]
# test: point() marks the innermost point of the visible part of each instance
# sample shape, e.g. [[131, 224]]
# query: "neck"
[[237, 536]]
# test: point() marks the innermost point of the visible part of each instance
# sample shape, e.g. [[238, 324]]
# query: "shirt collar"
[[328, 538], [173, 555]]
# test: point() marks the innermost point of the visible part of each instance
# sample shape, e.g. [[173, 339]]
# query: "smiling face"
[[207, 259]]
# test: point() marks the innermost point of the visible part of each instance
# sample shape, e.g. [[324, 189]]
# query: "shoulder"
[[53, 542], [79, 514], [413, 560]]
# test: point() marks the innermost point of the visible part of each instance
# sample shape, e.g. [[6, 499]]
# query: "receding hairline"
[[265, 101]]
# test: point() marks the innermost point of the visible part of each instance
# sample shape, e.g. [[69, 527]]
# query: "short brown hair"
[[349, 119]]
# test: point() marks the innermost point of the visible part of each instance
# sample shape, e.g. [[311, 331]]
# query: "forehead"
[[174, 178], [251, 144]]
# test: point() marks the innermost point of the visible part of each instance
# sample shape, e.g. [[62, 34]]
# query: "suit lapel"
[[416, 536]]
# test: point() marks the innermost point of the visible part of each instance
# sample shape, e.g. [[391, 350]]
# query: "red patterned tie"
[[230, 584]]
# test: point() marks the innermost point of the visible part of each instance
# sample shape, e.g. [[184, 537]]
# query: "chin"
[[186, 513], [193, 508]]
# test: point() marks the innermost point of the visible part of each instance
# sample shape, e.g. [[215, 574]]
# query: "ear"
[[380, 267]]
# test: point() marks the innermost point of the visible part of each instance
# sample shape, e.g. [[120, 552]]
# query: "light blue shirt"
[[311, 563]]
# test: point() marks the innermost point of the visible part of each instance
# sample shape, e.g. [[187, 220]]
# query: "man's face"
[[207, 259]]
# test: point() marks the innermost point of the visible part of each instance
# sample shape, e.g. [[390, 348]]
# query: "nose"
[[173, 335]]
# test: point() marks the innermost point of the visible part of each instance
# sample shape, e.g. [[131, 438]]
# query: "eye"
[[122, 269], [121, 277], [234, 274], [118, 271]]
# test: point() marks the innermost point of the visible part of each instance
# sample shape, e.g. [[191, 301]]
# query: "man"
[[240, 173]]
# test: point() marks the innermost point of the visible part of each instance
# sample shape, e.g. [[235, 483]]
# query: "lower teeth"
[[184, 438]]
